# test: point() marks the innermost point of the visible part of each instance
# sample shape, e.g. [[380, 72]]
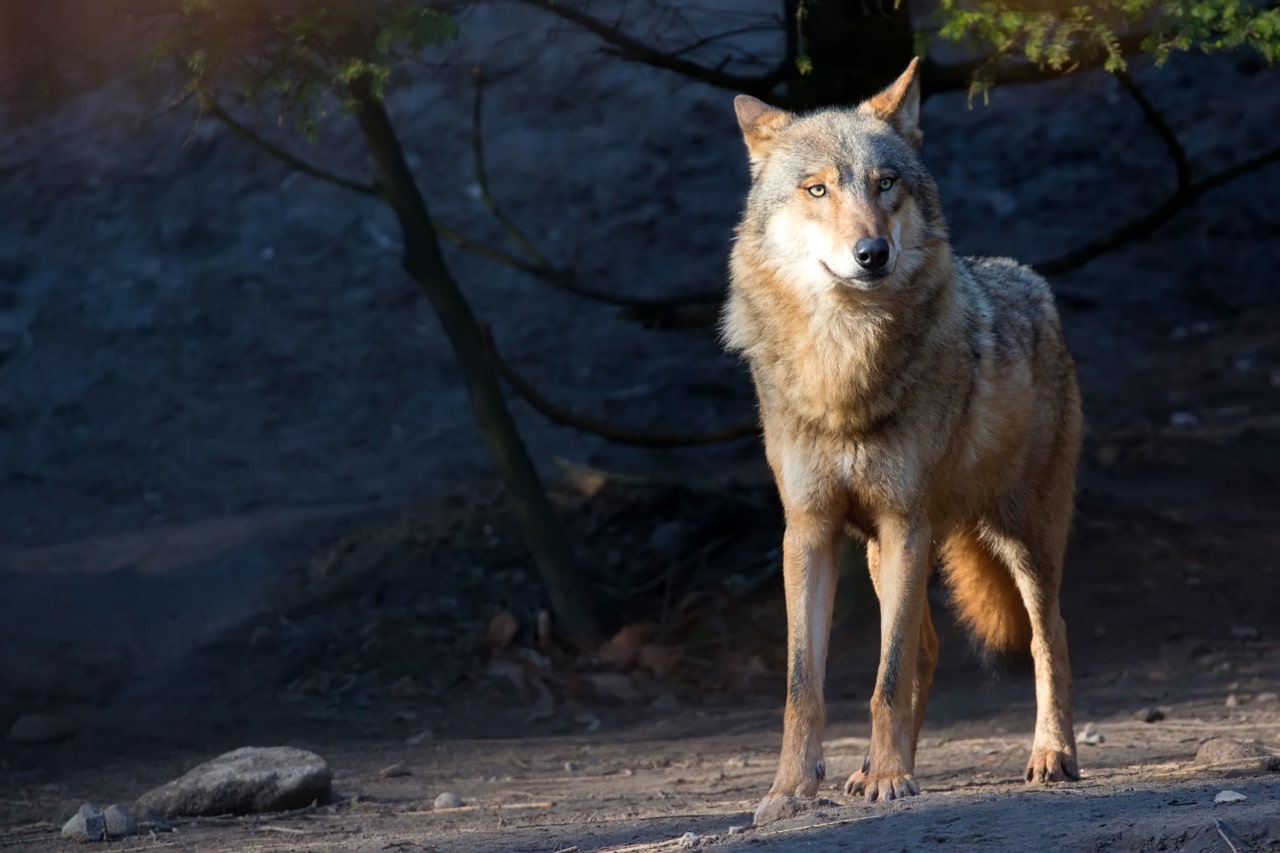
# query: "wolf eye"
[[818, 190], [886, 184]]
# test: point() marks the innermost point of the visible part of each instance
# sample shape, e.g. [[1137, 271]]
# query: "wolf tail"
[[985, 598]]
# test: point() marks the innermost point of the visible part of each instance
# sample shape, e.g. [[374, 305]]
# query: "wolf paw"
[[883, 788], [1052, 765]]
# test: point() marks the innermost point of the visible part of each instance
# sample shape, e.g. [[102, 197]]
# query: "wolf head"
[[840, 198]]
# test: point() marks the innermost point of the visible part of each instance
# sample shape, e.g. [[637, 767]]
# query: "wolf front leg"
[[907, 652], [809, 575]]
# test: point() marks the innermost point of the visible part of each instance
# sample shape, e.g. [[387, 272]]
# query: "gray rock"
[[119, 822], [244, 781], [448, 800], [1221, 750], [41, 728], [86, 825]]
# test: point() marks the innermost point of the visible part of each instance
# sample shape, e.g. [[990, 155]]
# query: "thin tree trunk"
[[566, 583], [855, 47]]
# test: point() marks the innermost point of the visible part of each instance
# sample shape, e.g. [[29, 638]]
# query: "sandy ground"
[[243, 498]]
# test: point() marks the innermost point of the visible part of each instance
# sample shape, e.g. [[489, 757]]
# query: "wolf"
[[922, 401]]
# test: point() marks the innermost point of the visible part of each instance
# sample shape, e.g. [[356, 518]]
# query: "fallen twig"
[[1217, 824]]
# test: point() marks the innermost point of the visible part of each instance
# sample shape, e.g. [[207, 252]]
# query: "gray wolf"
[[922, 401]]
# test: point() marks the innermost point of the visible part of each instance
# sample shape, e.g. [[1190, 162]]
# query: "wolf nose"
[[871, 254]]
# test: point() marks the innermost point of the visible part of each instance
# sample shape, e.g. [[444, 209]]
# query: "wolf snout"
[[871, 253]]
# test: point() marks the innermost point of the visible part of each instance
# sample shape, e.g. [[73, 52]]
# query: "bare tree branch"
[[210, 105], [484, 250], [703, 41], [1161, 127], [604, 429], [936, 77], [517, 236], [1162, 213], [662, 312], [631, 48]]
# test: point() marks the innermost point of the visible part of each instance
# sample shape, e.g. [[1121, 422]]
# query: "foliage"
[[1059, 35], [299, 52]]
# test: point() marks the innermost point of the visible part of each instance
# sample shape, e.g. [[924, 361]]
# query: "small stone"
[[394, 770], [41, 728], [1150, 715], [1229, 797], [1267, 696], [88, 824], [572, 767], [248, 780], [689, 840], [1232, 701], [119, 822], [736, 830], [448, 800], [1221, 750], [1092, 736], [421, 737]]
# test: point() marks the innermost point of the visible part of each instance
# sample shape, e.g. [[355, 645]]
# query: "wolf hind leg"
[[1035, 564]]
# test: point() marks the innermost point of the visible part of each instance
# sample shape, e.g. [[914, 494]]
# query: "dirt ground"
[[243, 501]]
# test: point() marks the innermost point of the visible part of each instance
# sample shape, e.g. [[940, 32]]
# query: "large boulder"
[[244, 781]]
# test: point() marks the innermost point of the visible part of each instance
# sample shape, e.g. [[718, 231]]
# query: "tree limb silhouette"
[[605, 429]]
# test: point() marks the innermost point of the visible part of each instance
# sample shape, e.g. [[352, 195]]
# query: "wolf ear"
[[760, 125], [899, 104]]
